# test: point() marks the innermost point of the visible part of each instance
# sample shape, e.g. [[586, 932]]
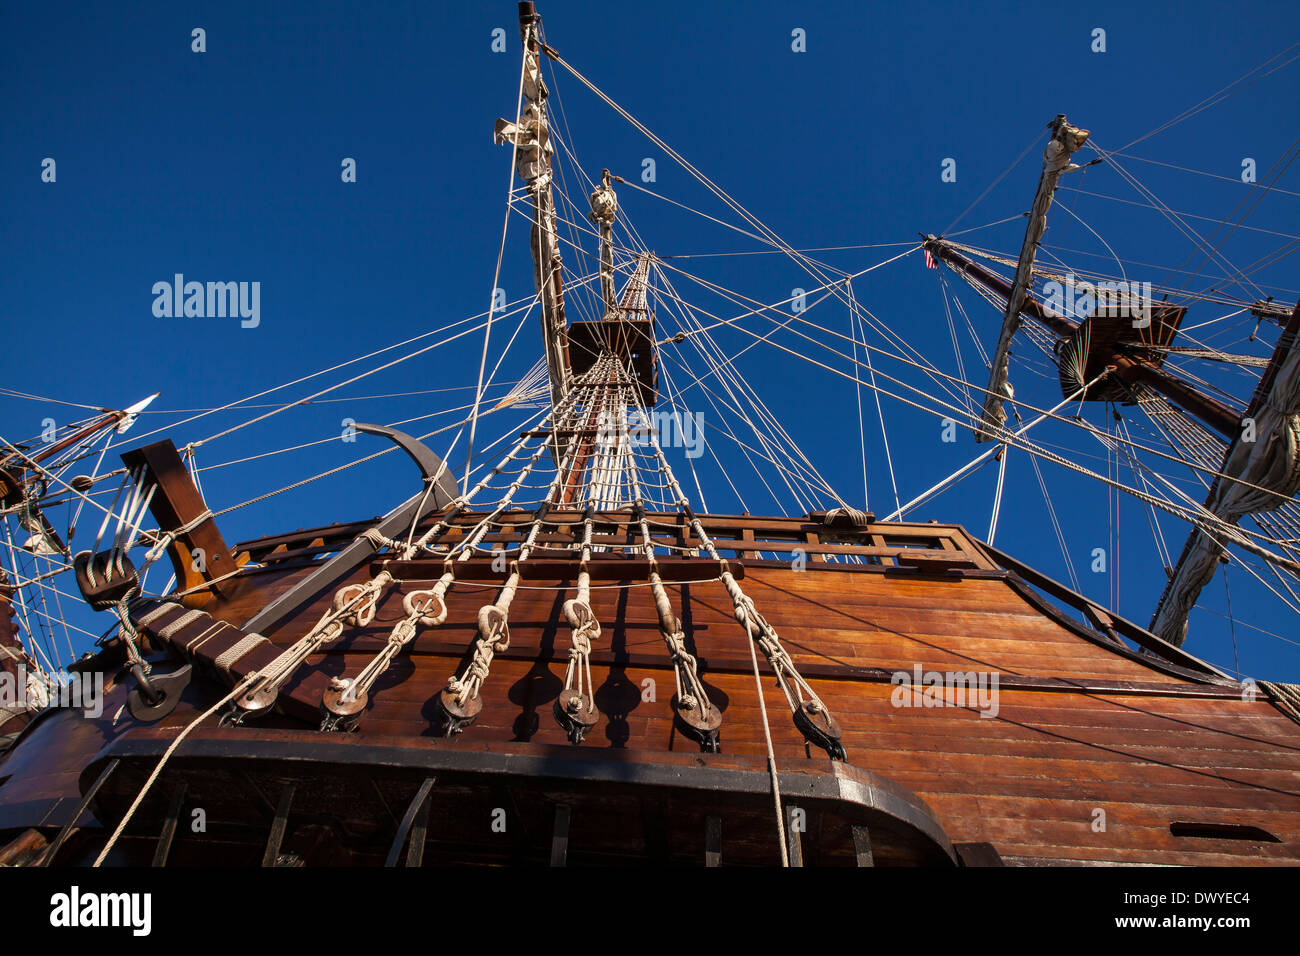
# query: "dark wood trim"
[[164, 848], [176, 503], [1185, 663], [560, 836], [86, 800], [418, 807], [712, 841], [860, 795], [862, 846], [275, 839]]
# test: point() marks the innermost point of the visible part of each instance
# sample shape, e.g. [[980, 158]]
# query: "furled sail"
[[1262, 470]]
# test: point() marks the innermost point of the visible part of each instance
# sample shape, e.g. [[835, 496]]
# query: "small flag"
[[929, 261]]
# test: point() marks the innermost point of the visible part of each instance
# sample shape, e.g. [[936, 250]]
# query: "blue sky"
[[225, 165]]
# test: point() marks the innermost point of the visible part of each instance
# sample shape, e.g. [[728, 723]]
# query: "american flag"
[[929, 261]]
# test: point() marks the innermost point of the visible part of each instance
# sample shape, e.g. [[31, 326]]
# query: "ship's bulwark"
[[1032, 739]]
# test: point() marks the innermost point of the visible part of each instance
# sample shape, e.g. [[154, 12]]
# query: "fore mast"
[[1113, 356]]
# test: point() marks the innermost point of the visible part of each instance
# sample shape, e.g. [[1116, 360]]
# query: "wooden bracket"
[[413, 826], [712, 841], [794, 843], [176, 504], [164, 847], [274, 840], [862, 852], [560, 836]]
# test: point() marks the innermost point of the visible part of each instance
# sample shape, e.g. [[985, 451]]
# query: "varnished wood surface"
[[1029, 780]]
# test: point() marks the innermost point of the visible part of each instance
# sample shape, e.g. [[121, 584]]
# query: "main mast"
[[610, 467], [530, 137]]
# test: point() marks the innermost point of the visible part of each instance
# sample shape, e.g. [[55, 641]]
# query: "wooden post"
[[560, 838], [176, 504], [81, 809], [713, 841], [862, 846], [418, 809], [164, 848], [278, 827], [793, 843]]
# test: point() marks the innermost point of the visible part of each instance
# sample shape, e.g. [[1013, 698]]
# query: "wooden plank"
[[560, 836], [712, 841], [417, 808], [271, 854], [82, 807], [795, 820], [862, 846], [164, 847]]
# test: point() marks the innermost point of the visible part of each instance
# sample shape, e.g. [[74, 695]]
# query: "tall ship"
[[553, 652]]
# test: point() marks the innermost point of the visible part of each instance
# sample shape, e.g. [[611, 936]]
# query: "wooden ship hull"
[[600, 675], [1183, 767]]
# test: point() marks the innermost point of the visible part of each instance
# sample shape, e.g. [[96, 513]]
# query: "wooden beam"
[[23, 849], [418, 808], [671, 570], [81, 809], [862, 846], [164, 848], [176, 504], [278, 826], [560, 836], [712, 841]]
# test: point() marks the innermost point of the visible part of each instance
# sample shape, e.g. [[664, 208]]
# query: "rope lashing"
[[691, 705], [846, 515], [460, 703], [810, 714], [355, 605], [575, 708]]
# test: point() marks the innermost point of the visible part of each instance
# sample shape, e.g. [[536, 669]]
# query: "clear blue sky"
[[225, 165]]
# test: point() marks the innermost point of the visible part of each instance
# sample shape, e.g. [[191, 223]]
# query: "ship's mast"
[[533, 152], [1261, 468], [1129, 367], [1261, 472], [1065, 141]]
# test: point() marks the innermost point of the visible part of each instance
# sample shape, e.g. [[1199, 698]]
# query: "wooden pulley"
[[701, 723], [819, 727], [256, 701], [457, 715], [424, 603], [103, 579], [341, 703], [576, 713]]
